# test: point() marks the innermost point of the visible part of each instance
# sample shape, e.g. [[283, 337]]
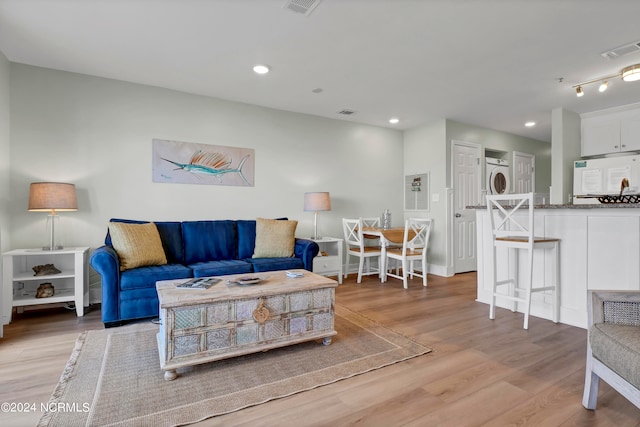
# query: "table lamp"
[[314, 202], [51, 197]]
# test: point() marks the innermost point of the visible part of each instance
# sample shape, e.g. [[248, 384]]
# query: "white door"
[[466, 172], [523, 172]]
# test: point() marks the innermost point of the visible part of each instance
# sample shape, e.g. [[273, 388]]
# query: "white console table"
[[19, 282]]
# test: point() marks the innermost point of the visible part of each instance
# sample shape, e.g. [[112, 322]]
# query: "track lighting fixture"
[[628, 74], [631, 73], [603, 86]]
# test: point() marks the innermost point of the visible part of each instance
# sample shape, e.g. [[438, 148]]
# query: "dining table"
[[393, 236]]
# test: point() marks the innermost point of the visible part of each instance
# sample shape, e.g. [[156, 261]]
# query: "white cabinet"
[[613, 252], [19, 282], [329, 259], [610, 132]]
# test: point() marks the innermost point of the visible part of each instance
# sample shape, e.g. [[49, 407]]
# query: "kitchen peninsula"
[[599, 249]]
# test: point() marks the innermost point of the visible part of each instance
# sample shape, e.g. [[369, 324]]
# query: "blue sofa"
[[193, 249]]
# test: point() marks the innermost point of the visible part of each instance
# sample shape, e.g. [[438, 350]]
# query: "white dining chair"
[[355, 242], [414, 248], [512, 227]]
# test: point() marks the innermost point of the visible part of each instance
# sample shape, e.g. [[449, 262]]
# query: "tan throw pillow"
[[274, 238], [137, 245]]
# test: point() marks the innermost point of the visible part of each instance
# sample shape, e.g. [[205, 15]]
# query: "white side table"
[[19, 283], [331, 263]]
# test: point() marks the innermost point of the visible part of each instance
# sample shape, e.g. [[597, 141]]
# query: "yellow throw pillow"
[[274, 238], [137, 245]]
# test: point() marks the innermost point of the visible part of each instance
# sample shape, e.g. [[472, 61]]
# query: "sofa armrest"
[[619, 307], [306, 250], [105, 261]]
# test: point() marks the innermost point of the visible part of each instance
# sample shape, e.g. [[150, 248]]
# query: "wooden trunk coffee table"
[[229, 319]]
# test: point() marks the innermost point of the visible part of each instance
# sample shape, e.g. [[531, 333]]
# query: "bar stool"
[[511, 217]]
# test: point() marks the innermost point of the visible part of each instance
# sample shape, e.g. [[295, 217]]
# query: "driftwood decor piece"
[[45, 270]]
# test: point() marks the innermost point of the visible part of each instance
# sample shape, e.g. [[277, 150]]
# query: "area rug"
[[113, 377]]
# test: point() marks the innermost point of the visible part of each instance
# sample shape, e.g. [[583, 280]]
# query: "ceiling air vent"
[[622, 50], [346, 112], [304, 7]]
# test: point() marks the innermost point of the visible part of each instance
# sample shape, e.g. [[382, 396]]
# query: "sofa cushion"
[[137, 244], [170, 234], [618, 347], [247, 236], [220, 268], [271, 264], [146, 277], [274, 238], [209, 241]]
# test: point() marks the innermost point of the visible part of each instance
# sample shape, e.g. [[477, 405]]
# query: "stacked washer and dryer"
[[497, 174]]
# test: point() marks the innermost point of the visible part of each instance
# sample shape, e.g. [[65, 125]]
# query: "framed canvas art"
[[191, 163]]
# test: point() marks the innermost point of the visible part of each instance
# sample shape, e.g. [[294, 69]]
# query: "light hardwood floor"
[[481, 372]]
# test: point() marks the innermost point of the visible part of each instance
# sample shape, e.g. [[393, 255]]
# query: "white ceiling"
[[491, 63]]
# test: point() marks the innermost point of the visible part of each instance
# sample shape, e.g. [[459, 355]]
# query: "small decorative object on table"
[[45, 270], [45, 290], [294, 274], [386, 219], [249, 280], [199, 283]]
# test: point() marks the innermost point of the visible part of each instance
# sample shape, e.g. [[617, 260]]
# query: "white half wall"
[[96, 133]]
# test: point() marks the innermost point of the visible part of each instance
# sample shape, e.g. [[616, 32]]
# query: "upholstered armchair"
[[613, 349]]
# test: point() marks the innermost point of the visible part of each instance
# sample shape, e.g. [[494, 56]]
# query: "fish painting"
[[211, 163]]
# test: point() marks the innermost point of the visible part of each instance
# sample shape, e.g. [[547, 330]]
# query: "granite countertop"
[[571, 206]]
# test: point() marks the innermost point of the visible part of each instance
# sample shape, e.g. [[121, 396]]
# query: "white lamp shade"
[[52, 196], [317, 201]]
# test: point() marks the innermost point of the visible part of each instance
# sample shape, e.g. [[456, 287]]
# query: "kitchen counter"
[[570, 206], [599, 249]]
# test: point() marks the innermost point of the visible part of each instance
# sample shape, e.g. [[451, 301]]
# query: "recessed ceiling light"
[[394, 120], [530, 124], [261, 69]]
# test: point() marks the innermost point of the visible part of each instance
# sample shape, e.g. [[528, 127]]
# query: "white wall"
[[97, 134], [4, 152], [501, 141], [428, 149], [565, 143]]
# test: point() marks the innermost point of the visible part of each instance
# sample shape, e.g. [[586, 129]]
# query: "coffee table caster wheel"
[[326, 341], [170, 375]]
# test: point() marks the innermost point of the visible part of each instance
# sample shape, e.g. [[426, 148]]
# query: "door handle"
[[458, 215]]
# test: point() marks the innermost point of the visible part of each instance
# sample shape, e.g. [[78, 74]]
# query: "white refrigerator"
[[604, 177]]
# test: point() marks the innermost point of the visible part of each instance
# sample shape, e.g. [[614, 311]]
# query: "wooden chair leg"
[[346, 269], [591, 384], [424, 273], [492, 304], [405, 267], [556, 290]]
